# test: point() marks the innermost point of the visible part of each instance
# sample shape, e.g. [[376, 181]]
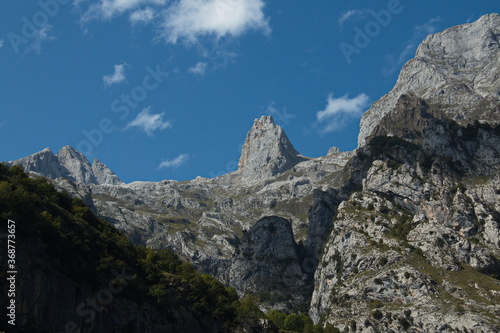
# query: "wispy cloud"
[[107, 9], [117, 77], [144, 16], [191, 19], [39, 37], [1, 43], [339, 111], [175, 162], [394, 62], [198, 69], [355, 14], [149, 122]]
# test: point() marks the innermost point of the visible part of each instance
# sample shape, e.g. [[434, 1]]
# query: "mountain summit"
[[69, 163], [267, 151], [456, 69]]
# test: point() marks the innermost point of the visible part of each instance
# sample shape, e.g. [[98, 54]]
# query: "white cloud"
[[144, 16], [186, 20], [149, 122], [349, 15], [198, 69], [410, 46], [117, 77], [191, 19], [106, 9], [39, 37], [174, 163], [1, 43], [340, 110]]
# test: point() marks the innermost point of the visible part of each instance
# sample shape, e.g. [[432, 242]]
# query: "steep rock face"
[[416, 245], [471, 149], [43, 162], [267, 151], [457, 68], [68, 163], [77, 165], [269, 260], [409, 246], [409, 118], [321, 221], [103, 174]]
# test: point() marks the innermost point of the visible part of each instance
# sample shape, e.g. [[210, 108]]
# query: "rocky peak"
[[453, 69], [44, 162], [267, 151], [333, 150], [77, 165], [69, 163]]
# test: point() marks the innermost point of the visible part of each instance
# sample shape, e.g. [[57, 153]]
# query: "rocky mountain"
[[415, 246], [68, 163], [267, 151], [76, 273], [401, 235], [457, 69], [272, 262]]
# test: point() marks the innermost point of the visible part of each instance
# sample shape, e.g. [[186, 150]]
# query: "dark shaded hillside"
[[77, 273]]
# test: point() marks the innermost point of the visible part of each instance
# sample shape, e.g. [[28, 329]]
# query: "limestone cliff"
[[457, 69]]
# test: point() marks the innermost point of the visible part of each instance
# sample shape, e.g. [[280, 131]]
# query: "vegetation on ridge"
[[87, 249]]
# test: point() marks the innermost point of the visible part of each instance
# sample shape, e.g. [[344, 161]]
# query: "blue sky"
[[161, 89]]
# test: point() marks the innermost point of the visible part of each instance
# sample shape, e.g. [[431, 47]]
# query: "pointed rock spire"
[[267, 151]]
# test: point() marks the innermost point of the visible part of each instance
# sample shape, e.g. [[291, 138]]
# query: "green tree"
[[248, 313], [297, 322], [277, 317]]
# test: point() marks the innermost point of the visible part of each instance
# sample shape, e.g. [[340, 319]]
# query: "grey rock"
[[333, 150], [44, 163], [267, 151], [103, 174], [68, 163], [457, 68], [269, 260], [77, 165]]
